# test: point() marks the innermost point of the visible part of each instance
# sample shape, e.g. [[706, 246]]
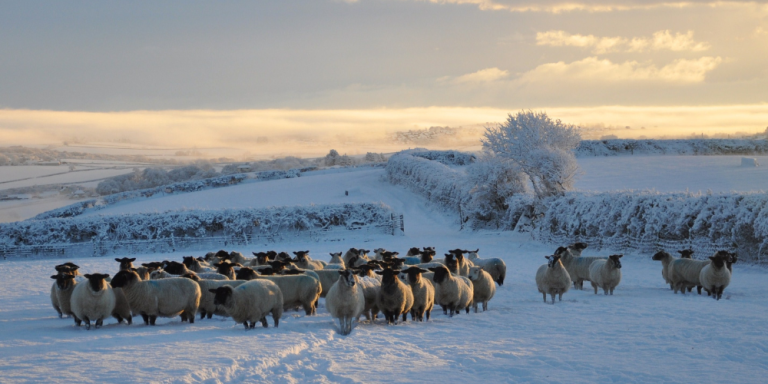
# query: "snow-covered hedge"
[[671, 147], [445, 157], [264, 222], [437, 182]]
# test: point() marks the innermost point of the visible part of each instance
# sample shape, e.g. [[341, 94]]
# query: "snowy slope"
[[644, 333]]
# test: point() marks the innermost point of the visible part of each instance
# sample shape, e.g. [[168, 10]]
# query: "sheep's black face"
[[267, 271], [96, 281], [221, 295], [719, 259], [451, 263], [64, 280], [124, 278], [175, 268], [278, 266], [553, 260], [222, 254], [580, 246], [363, 251], [615, 260], [354, 251], [388, 276], [246, 273], [153, 266], [686, 253], [414, 251], [441, 273], [125, 263], [560, 251], [660, 255], [189, 261], [426, 256], [387, 256], [261, 257], [283, 256], [414, 274], [301, 256], [347, 277]]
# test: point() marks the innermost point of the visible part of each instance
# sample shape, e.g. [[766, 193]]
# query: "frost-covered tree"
[[332, 158], [493, 180], [541, 147]]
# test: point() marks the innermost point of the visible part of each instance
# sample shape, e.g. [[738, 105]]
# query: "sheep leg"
[[405, 316], [190, 316], [146, 319], [485, 303], [308, 309], [61, 315], [560, 298], [77, 321], [720, 292], [594, 286], [209, 315], [474, 305], [129, 320], [545, 296], [429, 312], [183, 317], [698, 288], [202, 314], [152, 320], [87, 322], [467, 309], [264, 322], [119, 318], [99, 323], [245, 323]]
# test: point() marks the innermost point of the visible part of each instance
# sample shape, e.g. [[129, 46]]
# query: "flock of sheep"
[[353, 284], [567, 267], [248, 289]]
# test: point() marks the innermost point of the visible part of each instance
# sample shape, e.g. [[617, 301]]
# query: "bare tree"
[[541, 147]]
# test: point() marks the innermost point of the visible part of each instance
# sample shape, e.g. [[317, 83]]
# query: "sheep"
[[68, 267], [666, 259], [303, 261], [463, 264], [378, 254], [715, 276], [167, 297], [394, 296], [262, 258], [93, 300], [195, 265], [606, 274], [227, 269], [730, 261], [345, 301], [327, 279], [577, 248], [127, 264], [577, 267], [684, 274], [336, 262], [552, 278], [452, 292], [423, 293], [423, 257], [371, 287], [162, 274], [238, 258], [483, 287], [251, 302], [352, 252], [61, 293], [151, 267], [494, 266], [175, 268], [207, 307], [299, 290]]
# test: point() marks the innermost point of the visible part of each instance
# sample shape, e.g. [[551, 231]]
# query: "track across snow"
[[644, 333]]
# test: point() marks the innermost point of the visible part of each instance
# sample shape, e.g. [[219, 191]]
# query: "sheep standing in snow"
[[207, 308], [666, 259], [93, 300], [195, 265], [371, 287], [336, 262], [394, 296], [303, 261], [61, 292], [345, 301], [577, 267], [167, 297], [251, 302], [494, 266], [298, 290], [715, 276], [227, 269], [352, 252], [684, 274], [463, 263], [422, 257], [483, 287], [453, 293], [262, 258], [552, 278], [606, 274], [238, 258], [122, 310], [423, 293]]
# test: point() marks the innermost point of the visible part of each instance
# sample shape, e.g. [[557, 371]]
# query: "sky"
[[333, 59]]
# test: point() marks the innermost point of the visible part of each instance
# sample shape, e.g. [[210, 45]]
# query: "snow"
[[643, 333]]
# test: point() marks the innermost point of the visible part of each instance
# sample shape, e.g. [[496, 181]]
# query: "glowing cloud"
[[487, 75], [560, 6], [661, 40], [600, 71]]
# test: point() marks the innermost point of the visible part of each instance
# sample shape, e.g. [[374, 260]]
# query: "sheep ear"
[[212, 290], [104, 275], [87, 275], [118, 260], [54, 276], [712, 258], [423, 270], [379, 272], [620, 256], [433, 269], [296, 253], [132, 260], [547, 257]]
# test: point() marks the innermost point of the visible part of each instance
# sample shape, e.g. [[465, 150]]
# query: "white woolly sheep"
[[303, 261], [345, 300], [167, 297], [464, 264], [196, 265], [483, 287], [394, 296], [298, 290], [251, 302], [327, 278], [452, 292], [684, 274], [494, 266], [93, 300], [423, 293], [666, 259], [61, 293], [122, 309], [207, 308], [552, 278], [371, 287], [606, 274], [577, 267], [127, 264], [336, 262], [716, 276], [238, 258]]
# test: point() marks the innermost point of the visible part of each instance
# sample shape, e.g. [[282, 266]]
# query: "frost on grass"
[[621, 147]]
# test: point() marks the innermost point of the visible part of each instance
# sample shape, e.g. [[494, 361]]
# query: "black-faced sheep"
[[251, 302], [423, 293], [606, 274], [483, 287], [715, 276], [298, 290], [577, 267], [394, 296], [494, 266], [345, 300], [61, 292], [552, 278], [167, 297], [303, 261], [93, 300], [452, 292], [684, 274]]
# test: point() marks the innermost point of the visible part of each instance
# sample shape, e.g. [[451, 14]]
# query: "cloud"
[[596, 70], [560, 6], [487, 75], [661, 40]]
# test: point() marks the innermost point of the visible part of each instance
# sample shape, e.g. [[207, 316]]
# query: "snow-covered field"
[[644, 333]]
